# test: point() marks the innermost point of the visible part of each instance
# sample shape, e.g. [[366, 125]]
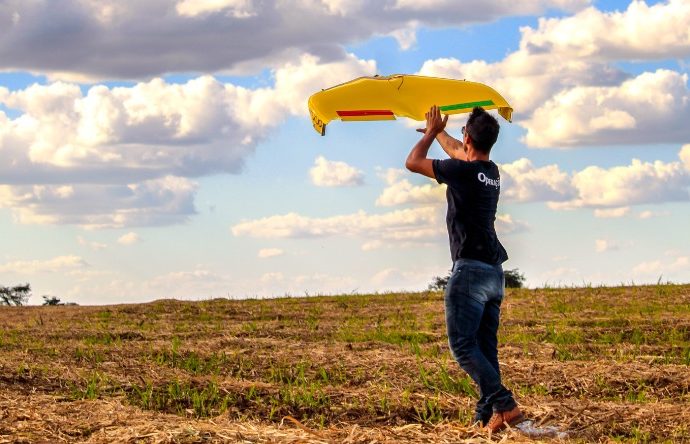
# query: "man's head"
[[482, 129]]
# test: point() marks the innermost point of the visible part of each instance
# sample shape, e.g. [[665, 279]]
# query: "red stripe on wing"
[[365, 112]]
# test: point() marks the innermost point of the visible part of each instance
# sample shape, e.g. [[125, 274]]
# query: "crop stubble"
[[602, 363]]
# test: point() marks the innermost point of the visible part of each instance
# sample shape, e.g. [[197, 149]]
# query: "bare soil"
[[602, 364]]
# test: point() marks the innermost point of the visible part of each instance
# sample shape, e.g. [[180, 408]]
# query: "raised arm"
[[417, 161], [452, 146]]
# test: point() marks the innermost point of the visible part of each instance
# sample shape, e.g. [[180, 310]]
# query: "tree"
[[51, 300], [439, 283], [17, 295], [514, 279]]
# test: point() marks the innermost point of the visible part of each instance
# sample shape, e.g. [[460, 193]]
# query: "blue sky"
[[145, 162]]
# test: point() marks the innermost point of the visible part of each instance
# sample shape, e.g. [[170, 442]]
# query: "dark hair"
[[483, 129]]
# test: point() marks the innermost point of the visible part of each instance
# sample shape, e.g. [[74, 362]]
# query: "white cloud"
[[343, 7], [391, 175], [87, 274], [113, 287], [522, 182], [109, 38], [523, 7], [650, 108], [88, 286], [648, 214], [681, 263], [621, 186], [297, 79], [373, 245], [610, 191], [234, 8], [406, 37], [278, 284], [558, 275], [566, 90], [611, 213], [685, 156], [667, 268], [526, 80], [196, 275], [403, 192], [415, 226], [270, 252], [594, 34], [153, 128], [329, 173], [130, 238], [402, 225], [602, 245], [124, 156], [54, 265], [64, 136], [647, 268], [196, 283], [91, 244], [394, 279], [379, 245], [273, 276], [505, 224], [163, 201]]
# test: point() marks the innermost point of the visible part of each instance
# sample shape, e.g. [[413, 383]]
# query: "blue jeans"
[[473, 306]]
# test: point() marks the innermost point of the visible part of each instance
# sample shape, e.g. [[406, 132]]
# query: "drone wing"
[[401, 95]]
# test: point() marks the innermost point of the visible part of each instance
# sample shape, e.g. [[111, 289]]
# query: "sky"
[[163, 149]]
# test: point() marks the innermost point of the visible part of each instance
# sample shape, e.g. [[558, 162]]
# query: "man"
[[475, 288]]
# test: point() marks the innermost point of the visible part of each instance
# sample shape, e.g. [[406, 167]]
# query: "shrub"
[[17, 295], [514, 279]]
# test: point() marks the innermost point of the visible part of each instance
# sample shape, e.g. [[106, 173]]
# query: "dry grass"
[[605, 364]]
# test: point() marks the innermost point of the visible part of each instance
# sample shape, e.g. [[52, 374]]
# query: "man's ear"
[[469, 145]]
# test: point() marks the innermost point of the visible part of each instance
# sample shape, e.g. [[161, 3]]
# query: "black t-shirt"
[[472, 194]]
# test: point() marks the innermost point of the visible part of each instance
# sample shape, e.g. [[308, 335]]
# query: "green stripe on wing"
[[466, 105]]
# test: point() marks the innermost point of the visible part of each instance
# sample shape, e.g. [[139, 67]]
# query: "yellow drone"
[[402, 95]]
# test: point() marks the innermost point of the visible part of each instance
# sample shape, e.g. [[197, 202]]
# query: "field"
[[603, 364]]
